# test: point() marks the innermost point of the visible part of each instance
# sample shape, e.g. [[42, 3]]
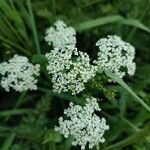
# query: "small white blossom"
[[83, 124], [116, 56], [70, 69], [60, 35], [60, 59], [19, 74]]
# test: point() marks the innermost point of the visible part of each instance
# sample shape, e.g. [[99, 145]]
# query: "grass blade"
[[13, 30], [8, 141], [97, 22], [126, 121], [33, 26], [14, 45], [135, 23], [127, 88], [12, 14], [15, 112], [111, 19], [18, 103], [132, 139]]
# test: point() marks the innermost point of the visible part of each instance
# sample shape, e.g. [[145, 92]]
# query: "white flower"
[[83, 124], [70, 69], [60, 58], [19, 74], [116, 56], [60, 35]]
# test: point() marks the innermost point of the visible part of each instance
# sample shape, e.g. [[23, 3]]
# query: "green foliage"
[[28, 119]]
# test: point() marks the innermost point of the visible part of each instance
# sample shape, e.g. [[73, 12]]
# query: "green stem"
[[130, 124], [127, 88], [34, 30], [19, 102]]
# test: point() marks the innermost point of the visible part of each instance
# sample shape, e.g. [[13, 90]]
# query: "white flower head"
[[83, 124], [19, 74], [116, 56], [60, 35], [60, 58], [70, 69]]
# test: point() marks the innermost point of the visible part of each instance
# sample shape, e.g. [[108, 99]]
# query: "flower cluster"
[[83, 124], [19, 74], [70, 69], [60, 35], [116, 56]]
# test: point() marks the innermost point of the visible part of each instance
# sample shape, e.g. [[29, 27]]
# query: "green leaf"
[[131, 139], [14, 15], [98, 22], [8, 141], [7, 32], [13, 44], [111, 19], [11, 12], [33, 25], [126, 121], [135, 23], [127, 88], [17, 36]]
